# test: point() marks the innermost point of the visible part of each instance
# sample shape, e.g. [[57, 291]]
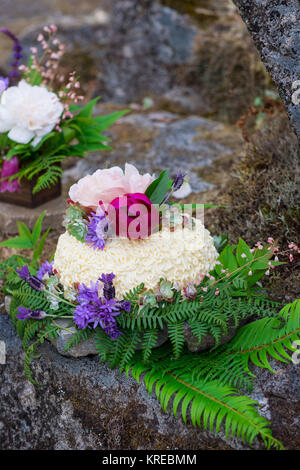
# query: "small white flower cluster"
[[181, 257]]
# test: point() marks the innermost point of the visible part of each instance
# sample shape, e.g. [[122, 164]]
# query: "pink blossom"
[[109, 184], [270, 240]]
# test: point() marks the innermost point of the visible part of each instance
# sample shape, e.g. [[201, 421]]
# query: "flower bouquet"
[[146, 282], [42, 122]]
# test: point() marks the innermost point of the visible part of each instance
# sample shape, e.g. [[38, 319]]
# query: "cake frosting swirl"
[[181, 257]]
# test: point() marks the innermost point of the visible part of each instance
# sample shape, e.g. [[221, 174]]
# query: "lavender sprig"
[[17, 56]]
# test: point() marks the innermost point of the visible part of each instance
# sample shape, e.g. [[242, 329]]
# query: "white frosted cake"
[[181, 257], [182, 253]]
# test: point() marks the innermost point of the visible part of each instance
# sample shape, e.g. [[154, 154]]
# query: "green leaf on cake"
[[157, 190]]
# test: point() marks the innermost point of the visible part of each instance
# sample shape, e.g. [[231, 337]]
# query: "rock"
[[207, 341], [85, 405], [160, 140], [188, 58], [10, 214], [85, 348], [274, 26]]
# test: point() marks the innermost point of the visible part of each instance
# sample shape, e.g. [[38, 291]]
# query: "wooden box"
[[26, 198]]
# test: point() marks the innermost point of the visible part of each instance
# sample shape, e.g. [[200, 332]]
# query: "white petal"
[[36, 140], [20, 135], [184, 191]]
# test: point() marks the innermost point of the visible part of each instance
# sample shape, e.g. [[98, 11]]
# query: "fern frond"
[[267, 337], [78, 337], [176, 336], [209, 405], [149, 342]]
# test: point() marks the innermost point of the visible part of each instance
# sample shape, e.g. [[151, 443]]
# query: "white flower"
[[28, 112], [183, 192]]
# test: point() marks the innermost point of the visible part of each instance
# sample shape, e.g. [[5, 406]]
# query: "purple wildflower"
[[87, 294], [24, 272], [178, 181], [32, 281], [101, 312], [46, 268], [97, 228], [109, 291], [94, 310], [107, 278], [17, 53], [4, 82], [25, 313], [112, 330], [125, 305], [9, 168]]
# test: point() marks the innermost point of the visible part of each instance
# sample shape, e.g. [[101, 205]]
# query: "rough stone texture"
[[159, 140], [10, 214], [274, 26], [85, 405], [85, 348], [134, 44]]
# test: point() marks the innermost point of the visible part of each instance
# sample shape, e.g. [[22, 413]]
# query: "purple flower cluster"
[[17, 54], [94, 310], [25, 313], [46, 268], [97, 228], [33, 281]]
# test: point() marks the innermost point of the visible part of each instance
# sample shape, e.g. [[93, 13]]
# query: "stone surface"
[[85, 348], [207, 341], [85, 405], [10, 214], [190, 57], [274, 26], [159, 140]]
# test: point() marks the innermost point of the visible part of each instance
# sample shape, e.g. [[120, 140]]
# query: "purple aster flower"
[[178, 181], [25, 313], [46, 268], [17, 53], [32, 281], [83, 315], [97, 228], [10, 167], [87, 294], [4, 82]]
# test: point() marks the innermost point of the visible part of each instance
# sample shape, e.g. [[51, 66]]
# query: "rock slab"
[[10, 214], [85, 405]]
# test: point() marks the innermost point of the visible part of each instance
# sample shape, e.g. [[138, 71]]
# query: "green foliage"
[[205, 387], [27, 239], [159, 188]]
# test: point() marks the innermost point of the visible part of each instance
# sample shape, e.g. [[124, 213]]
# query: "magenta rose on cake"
[[133, 216]]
